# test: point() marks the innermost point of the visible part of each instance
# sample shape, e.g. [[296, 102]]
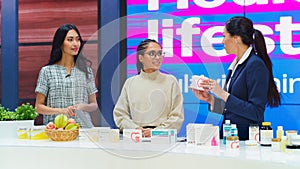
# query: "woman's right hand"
[[69, 111], [203, 95]]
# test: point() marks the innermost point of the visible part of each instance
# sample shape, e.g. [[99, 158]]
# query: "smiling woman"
[[66, 83], [162, 103]]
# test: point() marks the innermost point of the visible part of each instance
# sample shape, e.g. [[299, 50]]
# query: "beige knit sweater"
[[150, 99]]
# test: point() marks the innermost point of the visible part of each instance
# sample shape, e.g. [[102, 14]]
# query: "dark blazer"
[[248, 90]]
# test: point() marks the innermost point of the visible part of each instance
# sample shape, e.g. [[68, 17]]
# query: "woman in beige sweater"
[[150, 99]]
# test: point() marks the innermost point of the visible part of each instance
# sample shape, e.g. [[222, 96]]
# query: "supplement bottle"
[[254, 132], [226, 130], [279, 132], [266, 134], [233, 130]]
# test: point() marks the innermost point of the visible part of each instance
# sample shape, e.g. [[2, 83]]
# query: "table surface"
[[83, 152]]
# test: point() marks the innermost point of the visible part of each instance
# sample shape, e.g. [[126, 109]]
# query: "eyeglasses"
[[153, 54]]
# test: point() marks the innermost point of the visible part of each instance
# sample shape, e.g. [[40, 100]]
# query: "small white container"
[[289, 134], [295, 140], [232, 142], [276, 144]]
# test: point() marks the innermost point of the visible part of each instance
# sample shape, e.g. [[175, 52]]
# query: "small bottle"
[[233, 130], [226, 130], [276, 144], [266, 134], [254, 132], [283, 144], [232, 142], [279, 132]]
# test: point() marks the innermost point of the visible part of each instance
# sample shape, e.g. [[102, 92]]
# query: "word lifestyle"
[[212, 36]]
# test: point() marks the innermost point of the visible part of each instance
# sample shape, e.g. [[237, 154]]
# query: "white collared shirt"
[[235, 64]]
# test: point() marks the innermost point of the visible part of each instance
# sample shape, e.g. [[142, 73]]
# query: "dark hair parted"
[[243, 27], [56, 51], [141, 51]]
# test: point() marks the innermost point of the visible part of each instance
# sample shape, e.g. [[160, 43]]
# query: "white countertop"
[[173, 155]]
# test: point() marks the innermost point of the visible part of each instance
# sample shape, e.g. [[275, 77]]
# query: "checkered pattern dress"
[[63, 90]]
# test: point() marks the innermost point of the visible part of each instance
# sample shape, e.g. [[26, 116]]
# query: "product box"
[[196, 81], [202, 134], [207, 135], [190, 131], [38, 133], [109, 135], [132, 135], [164, 136], [23, 133]]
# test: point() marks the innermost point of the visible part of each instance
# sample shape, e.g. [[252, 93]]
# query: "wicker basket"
[[62, 135]]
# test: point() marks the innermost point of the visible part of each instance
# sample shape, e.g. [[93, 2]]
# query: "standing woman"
[[150, 99], [66, 83], [249, 84]]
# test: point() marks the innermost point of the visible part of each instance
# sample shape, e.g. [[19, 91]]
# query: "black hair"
[[56, 51], [141, 50], [243, 27]]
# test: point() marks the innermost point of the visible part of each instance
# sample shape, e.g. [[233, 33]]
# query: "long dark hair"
[[141, 51], [243, 27], [56, 51]]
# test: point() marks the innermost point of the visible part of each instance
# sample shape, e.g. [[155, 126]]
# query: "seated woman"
[[150, 99]]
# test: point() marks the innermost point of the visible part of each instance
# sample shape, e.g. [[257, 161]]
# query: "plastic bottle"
[[266, 134], [283, 144], [279, 132], [226, 130], [233, 130]]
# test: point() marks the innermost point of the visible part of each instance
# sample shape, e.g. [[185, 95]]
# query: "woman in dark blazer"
[[249, 84]]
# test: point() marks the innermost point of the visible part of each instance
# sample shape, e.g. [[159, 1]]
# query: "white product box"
[[164, 136], [207, 135], [190, 131], [196, 80], [132, 135], [109, 135]]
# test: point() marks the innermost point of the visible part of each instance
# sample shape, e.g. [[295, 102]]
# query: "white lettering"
[[153, 5], [167, 35], [292, 82], [286, 28], [153, 29], [184, 4], [209, 4], [208, 39], [186, 31]]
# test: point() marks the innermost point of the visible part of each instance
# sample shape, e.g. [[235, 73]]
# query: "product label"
[[266, 137], [254, 134], [226, 132]]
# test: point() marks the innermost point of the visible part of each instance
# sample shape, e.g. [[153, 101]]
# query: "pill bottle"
[[276, 144], [266, 134], [232, 142], [254, 132], [289, 134]]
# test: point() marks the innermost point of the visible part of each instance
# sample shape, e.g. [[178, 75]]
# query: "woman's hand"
[[146, 132], [215, 88], [203, 95], [70, 111]]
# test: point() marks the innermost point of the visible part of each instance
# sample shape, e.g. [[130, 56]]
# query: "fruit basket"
[[62, 135]]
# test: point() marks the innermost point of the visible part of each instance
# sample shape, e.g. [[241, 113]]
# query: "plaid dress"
[[63, 90]]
